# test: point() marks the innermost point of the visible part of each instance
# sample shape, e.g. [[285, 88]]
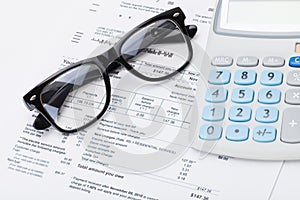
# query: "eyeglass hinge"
[[32, 98], [176, 14]]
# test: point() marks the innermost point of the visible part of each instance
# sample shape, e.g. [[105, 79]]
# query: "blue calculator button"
[[295, 61], [216, 95], [267, 114], [240, 114], [213, 113], [237, 133], [210, 132], [269, 96], [264, 134], [242, 95], [245, 77], [271, 78], [219, 77]]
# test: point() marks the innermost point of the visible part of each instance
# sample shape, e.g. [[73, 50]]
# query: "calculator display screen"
[[264, 12], [261, 17]]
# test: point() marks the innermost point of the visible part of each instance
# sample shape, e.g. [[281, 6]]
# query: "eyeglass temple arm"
[[165, 38], [177, 38], [191, 30]]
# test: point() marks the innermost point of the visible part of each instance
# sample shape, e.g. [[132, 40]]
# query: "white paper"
[[287, 183]]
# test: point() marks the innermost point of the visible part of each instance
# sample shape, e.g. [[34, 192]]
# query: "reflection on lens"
[[76, 97], [156, 50]]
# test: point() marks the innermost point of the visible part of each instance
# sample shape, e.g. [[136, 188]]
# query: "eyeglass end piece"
[[28, 102]]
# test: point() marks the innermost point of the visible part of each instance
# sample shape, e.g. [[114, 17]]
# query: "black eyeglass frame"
[[109, 61]]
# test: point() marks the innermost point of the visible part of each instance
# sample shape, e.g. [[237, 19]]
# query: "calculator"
[[250, 106]]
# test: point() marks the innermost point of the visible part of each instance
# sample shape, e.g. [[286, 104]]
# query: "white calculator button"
[[237, 133], [216, 95], [271, 78], [242, 95], [247, 61], [269, 96], [273, 61], [293, 78], [292, 97], [219, 77], [210, 132], [222, 61], [213, 113], [240, 114], [290, 128], [264, 134], [267, 114], [245, 77]]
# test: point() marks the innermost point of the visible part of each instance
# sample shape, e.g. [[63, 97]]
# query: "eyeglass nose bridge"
[[110, 60]]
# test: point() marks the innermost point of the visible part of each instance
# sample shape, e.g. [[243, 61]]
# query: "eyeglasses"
[[78, 95]]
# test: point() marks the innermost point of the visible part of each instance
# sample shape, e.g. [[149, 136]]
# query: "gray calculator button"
[[247, 61], [293, 78], [273, 61], [222, 61], [292, 96], [290, 129]]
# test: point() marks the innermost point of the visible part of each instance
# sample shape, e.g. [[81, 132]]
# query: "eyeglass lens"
[[156, 50], [76, 97]]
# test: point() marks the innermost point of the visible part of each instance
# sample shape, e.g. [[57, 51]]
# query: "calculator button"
[[269, 96], [242, 95], [295, 61], [222, 61], [240, 114], [271, 78], [273, 61], [213, 113], [237, 133], [264, 134], [267, 114], [247, 61], [293, 78], [292, 97], [219, 77], [245, 77], [290, 128], [210, 132], [216, 95]]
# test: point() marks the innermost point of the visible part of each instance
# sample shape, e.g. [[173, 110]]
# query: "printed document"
[[141, 148]]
